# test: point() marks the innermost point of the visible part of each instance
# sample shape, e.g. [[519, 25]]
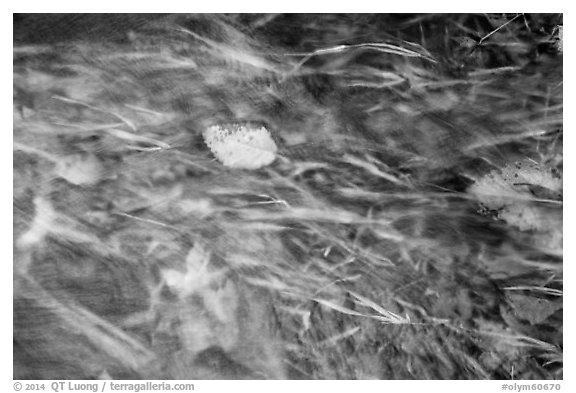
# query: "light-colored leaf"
[[512, 184], [197, 273], [80, 170], [242, 146], [43, 221]]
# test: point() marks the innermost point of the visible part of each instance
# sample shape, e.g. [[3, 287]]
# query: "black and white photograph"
[[293, 196]]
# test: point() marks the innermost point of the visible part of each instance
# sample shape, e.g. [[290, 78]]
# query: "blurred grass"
[[358, 254]]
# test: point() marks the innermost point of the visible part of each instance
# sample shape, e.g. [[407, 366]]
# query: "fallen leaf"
[[80, 169], [241, 145], [533, 309]]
